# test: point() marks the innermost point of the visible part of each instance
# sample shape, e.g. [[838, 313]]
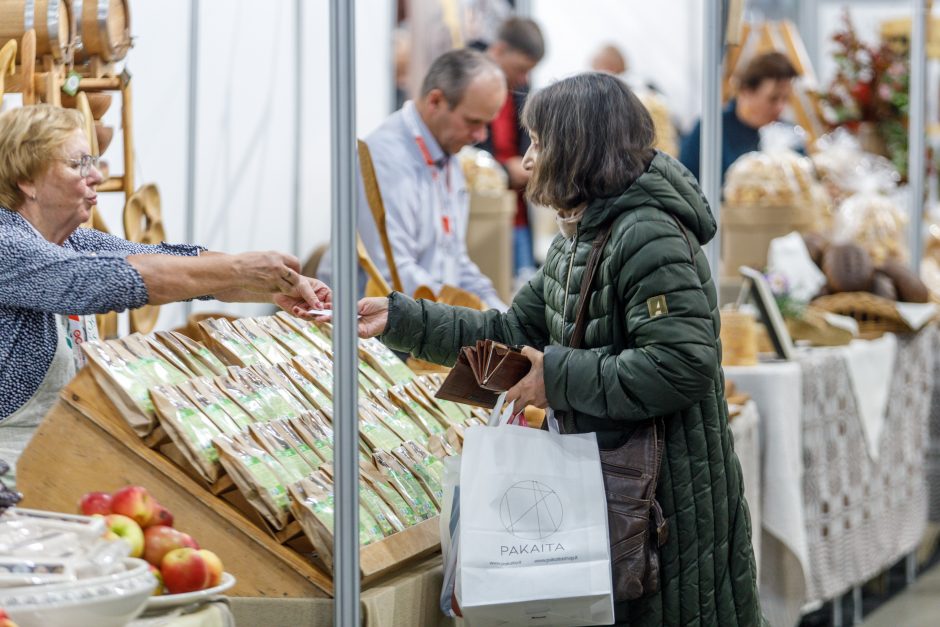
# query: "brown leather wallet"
[[483, 372]]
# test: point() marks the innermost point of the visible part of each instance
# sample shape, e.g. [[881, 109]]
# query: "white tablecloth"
[[833, 514], [777, 390]]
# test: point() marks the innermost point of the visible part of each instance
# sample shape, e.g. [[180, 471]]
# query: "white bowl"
[[107, 601]]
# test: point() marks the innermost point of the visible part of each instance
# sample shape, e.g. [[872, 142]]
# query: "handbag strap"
[[377, 207], [654, 430], [590, 270]]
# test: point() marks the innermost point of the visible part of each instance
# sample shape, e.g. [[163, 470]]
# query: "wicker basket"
[[813, 327], [875, 315]]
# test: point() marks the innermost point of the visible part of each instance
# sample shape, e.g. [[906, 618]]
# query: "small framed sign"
[[755, 284]]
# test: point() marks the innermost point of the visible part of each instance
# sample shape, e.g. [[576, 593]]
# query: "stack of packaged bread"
[[253, 401]]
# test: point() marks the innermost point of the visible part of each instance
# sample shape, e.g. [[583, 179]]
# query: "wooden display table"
[[84, 444]]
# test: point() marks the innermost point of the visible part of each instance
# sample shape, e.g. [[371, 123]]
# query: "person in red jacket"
[[518, 48]]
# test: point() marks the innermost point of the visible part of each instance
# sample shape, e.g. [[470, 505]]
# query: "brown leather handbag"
[[635, 520]]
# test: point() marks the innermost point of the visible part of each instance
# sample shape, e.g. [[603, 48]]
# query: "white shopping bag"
[[533, 540]]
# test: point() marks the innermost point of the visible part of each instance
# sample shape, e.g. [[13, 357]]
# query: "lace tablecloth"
[[933, 447], [833, 514]]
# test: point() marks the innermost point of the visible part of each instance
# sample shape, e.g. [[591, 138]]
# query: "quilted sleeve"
[[436, 332], [673, 353]]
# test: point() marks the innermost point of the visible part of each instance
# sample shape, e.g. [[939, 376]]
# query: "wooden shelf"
[[112, 184], [84, 444]]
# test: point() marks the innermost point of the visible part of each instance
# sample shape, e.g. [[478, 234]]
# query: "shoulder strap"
[[374, 196], [685, 234], [590, 270]]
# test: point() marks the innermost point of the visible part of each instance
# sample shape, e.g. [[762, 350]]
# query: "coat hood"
[[666, 184]]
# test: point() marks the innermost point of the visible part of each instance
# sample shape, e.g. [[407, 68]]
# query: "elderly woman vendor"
[[51, 268]]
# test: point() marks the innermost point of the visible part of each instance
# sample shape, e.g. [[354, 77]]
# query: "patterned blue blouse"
[[87, 274]]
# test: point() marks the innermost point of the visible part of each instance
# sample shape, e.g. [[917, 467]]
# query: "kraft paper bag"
[[533, 541]]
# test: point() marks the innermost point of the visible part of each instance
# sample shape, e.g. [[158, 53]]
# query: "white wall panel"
[[245, 132], [661, 40]]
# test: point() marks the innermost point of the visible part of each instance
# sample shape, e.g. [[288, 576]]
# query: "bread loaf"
[[848, 268], [882, 285], [910, 289], [816, 244]]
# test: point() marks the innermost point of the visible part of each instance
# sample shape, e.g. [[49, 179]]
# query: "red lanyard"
[[447, 224]]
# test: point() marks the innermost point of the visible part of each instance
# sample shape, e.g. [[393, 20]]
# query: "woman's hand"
[[531, 388], [310, 294], [279, 274], [267, 271], [373, 316]]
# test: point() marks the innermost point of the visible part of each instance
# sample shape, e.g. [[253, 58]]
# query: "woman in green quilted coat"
[[651, 346]]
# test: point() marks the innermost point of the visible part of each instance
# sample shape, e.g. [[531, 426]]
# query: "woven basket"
[[875, 315]]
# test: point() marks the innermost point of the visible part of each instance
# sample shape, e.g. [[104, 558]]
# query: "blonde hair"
[[30, 138]]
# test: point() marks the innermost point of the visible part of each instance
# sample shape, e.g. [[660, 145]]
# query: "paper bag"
[[533, 542]]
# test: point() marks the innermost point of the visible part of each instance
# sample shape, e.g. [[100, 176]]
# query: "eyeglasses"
[[83, 164]]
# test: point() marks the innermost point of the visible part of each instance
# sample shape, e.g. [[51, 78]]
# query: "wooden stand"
[[84, 444]]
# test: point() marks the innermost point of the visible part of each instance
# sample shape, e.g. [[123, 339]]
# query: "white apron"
[[17, 429]]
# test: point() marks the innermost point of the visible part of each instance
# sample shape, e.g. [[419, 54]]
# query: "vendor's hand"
[[310, 294], [268, 271], [373, 316], [531, 388]]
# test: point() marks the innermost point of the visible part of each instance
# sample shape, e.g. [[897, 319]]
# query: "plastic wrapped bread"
[[259, 477], [875, 222], [262, 342], [228, 344], [190, 429], [199, 358], [225, 413]]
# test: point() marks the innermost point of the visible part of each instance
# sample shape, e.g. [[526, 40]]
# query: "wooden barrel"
[[104, 29], [51, 19]]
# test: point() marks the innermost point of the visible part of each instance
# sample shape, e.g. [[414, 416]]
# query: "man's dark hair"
[[523, 35], [594, 137], [770, 66], [453, 71]]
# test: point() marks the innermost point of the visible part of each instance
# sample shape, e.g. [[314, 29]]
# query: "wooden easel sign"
[[755, 284]]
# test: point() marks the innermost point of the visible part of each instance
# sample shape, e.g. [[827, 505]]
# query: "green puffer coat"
[[654, 351]]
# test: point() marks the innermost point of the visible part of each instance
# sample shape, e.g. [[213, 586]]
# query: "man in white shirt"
[[422, 186]]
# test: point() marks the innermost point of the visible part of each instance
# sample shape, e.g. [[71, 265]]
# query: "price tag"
[[71, 83]]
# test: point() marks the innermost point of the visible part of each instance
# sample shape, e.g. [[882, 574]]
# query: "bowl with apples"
[[184, 572]]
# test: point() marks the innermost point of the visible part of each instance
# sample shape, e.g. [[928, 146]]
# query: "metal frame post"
[[345, 336], [838, 619], [710, 149], [916, 138], [297, 239], [858, 607], [910, 567], [191, 126]]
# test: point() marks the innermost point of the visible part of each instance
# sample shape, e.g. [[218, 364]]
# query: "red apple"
[[5, 620], [184, 570], [158, 589], [126, 529], [159, 516], [134, 502], [160, 540], [215, 567], [95, 503]]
